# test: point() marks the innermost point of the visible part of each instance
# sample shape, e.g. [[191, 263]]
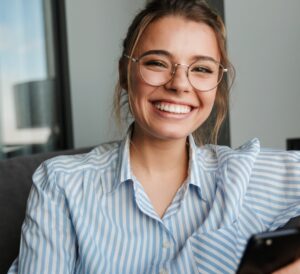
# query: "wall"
[[264, 43], [95, 32]]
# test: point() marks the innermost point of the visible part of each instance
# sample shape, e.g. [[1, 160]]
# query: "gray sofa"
[[15, 183]]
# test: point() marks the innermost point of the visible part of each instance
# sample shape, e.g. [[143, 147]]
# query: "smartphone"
[[269, 251]]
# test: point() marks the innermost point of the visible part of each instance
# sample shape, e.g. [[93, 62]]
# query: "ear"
[[123, 74]]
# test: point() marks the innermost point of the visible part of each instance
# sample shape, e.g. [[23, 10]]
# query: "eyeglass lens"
[[203, 74]]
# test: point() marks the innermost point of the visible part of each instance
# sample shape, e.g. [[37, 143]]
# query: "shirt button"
[[163, 271], [166, 244]]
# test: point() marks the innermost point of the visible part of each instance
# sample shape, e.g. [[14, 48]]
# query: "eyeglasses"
[[204, 74]]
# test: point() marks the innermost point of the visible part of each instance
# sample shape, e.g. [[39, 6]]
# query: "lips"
[[173, 108]]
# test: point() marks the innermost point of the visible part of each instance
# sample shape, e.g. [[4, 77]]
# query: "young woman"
[[161, 201]]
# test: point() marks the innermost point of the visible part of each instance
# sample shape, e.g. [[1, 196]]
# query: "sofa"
[[15, 183]]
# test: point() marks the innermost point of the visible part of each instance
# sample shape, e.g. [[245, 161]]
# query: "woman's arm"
[[48, 241]]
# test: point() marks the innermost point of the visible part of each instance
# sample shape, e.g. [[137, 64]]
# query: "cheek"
[[207, 99], [140, 90], [137, 93]]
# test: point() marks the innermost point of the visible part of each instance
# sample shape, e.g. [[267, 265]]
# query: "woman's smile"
[[173, 108]]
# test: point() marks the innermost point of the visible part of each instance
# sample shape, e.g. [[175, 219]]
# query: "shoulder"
[[74, 167], [267, 155], [98, 158], [277, 165], [216, 155], [252, 151]]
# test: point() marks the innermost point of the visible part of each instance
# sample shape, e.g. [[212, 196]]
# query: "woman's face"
[[176, 109]]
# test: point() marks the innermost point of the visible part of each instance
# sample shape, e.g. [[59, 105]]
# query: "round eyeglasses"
[[204, 74]]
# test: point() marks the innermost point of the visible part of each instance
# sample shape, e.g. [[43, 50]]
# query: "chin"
[[171, 133]]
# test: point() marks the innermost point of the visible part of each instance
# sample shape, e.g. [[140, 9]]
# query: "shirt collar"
[[208, 164], [123, 169], [204, 162], [198, 167]]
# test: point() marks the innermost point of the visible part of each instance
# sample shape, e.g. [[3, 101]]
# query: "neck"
[[156, 156]]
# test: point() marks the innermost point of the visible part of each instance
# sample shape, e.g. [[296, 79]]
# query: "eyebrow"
[[156, 51], [166, 53]]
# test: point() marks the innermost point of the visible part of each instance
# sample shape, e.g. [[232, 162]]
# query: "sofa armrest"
[[15, 183]]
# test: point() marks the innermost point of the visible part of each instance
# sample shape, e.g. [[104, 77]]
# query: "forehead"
[[181, 37]]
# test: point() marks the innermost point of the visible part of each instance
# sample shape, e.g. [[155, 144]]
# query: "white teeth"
[[181, 109]]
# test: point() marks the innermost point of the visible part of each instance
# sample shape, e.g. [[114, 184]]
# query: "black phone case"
[[269, 251]]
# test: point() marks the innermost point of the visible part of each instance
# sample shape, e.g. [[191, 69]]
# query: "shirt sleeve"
[[48, 241], [274, 190]]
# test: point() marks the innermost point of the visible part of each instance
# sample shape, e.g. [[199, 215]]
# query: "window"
[[34, 97]]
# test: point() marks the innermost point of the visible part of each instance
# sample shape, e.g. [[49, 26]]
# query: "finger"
[[293, 268]]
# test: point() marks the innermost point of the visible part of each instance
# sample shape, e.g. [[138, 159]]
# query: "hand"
[[292, 268]]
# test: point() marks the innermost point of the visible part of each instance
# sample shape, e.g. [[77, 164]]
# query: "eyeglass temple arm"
[[131, 58]]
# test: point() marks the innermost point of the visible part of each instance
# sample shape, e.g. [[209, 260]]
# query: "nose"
[[179, 80]]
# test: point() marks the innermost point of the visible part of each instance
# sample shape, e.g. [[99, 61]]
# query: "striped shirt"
[[88, 213]]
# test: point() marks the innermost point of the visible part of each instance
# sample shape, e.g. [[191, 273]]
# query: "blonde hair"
[[195, 10]]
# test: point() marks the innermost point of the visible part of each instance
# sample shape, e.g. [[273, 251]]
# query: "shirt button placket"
[[166, 244], [163, 271]]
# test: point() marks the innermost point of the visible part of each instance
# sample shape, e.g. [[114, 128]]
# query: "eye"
[[155, 63], [201, 69]]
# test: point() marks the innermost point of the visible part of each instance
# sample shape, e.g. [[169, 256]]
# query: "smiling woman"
[[161, 200]]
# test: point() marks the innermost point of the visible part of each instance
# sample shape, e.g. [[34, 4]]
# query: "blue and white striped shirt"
[[88, 214]]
